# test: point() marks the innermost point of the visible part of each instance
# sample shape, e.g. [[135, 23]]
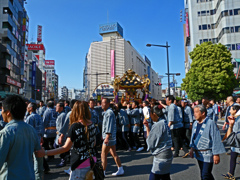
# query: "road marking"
[[220, 124]]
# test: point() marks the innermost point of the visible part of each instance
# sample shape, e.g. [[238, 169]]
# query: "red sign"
[[37, 56], [36, 47], [49, 62], [187, 25], [13, 82], [39, 34]]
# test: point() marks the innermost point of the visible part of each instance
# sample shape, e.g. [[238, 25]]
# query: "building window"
[[203, 13], [225, 13], [212, 12], [226, 30], [237, 28], [238, 46], [204, 26], [236, 11], [231, 12], [232, 29], [199, 13], [228, 47], [200, 27], [205, 40], [233, 47]]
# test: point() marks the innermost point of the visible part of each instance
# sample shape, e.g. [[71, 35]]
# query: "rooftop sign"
[[110, 27]]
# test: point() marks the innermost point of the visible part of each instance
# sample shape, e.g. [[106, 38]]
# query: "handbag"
[[233, 140], [96, 167]]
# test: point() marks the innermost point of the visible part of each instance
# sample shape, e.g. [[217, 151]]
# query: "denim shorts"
[[110, 143], [79, 174]]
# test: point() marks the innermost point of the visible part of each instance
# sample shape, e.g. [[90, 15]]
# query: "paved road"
[[137, 166]]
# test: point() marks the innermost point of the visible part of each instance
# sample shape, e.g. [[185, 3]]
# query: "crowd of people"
[[77, 130]]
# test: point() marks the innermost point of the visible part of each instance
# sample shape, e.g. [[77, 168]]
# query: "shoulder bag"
[[96, 167]]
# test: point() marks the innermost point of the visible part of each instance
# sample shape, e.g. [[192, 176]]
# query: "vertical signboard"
[[33, 74], [39, 33], [187, 25], [112, 64]]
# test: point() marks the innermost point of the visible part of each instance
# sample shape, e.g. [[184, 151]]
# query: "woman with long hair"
[[234, 126], [81, 140]]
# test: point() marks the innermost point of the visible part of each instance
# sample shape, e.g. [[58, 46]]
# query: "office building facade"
[[217, 21], [112, 57], [13, 27]]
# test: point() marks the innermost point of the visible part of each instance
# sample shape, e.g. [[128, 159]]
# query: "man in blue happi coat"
[[175, 123], [67, 108], [230, 102], [18, 142], [215, 108], [36, 122], [206, 144], [61, 116], [49, 122], [41, 108]]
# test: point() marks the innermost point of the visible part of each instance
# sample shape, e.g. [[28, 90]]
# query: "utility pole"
[[97, 74]]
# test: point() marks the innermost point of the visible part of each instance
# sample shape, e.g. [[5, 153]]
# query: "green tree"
[[211, 73]]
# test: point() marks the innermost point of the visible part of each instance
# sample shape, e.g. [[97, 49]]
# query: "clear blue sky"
[[69, 27]]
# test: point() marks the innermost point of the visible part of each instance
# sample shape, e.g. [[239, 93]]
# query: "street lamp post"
[[166, 46]]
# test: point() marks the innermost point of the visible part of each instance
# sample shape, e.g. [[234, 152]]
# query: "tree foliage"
[[211, 73]]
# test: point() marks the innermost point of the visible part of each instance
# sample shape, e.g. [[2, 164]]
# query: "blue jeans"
[[206, 170], [159, 176]]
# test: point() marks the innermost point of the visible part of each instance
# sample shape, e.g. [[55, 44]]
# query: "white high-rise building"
[[217, 21], [112, 57]]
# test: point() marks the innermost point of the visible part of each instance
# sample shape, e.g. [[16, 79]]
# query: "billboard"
[[13, 82], [36, 47], [187, 25], [112, 64], [39, 33], [110, 27], [49, 63], [34, 74]]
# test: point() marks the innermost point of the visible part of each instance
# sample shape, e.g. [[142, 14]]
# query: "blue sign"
[[33, 74], [110, 27], [147, 61], [172, 84]]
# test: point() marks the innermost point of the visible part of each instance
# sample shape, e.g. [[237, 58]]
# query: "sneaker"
[[140, 149], [67, 171], [120, 172], [62, 164], [228, 176]]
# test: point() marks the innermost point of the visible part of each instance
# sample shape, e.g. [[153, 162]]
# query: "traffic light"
[[158, 84]]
